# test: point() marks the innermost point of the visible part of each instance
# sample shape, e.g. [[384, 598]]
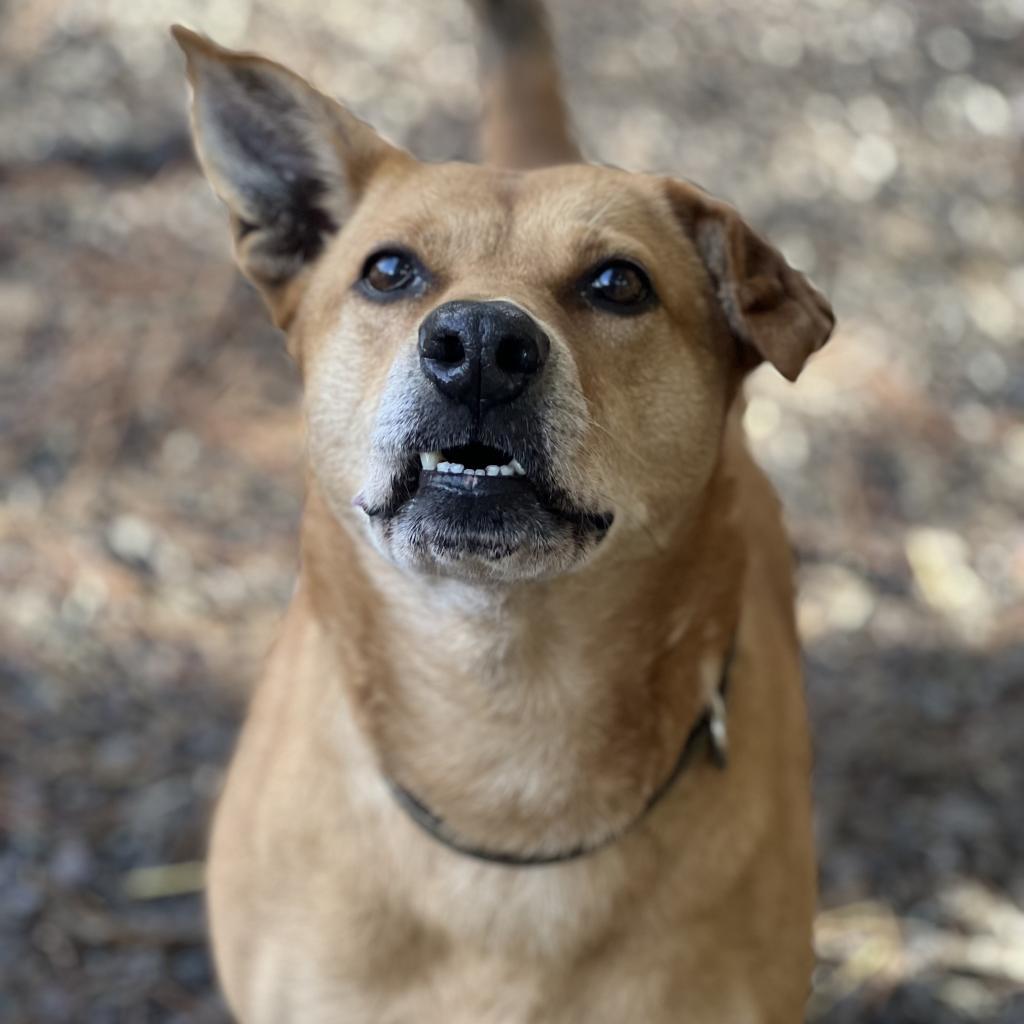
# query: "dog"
[[532, 746]]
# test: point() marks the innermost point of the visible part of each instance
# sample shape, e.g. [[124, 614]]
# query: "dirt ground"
[[151, 450]]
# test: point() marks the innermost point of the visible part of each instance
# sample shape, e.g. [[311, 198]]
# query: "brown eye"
[[619, 287], [385, 273]]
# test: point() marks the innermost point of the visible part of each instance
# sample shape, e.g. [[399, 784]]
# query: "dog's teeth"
[[434, 461]]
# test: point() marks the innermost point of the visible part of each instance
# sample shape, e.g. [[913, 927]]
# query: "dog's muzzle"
[[476, 446]]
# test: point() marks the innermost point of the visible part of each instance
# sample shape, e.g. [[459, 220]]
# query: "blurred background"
[[151, 453]]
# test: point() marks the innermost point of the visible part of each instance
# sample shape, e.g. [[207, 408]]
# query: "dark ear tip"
[[194, 45], [184, 37]]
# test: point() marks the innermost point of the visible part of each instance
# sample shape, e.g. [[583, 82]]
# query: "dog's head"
[[504, 371]]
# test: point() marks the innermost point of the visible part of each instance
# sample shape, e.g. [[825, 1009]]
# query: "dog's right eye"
[[386, 273]]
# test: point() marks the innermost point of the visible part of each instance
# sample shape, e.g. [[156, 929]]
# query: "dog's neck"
[[536, 716]]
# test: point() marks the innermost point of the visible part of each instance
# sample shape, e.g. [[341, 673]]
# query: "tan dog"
[[484, 778]]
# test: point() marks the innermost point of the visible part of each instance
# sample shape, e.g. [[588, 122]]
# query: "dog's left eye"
[[619, 287], [385, 273]]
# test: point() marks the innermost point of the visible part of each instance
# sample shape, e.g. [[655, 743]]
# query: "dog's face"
[[504, 371], [500, 366]]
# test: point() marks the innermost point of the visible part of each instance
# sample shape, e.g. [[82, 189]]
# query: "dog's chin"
[[479, 528]]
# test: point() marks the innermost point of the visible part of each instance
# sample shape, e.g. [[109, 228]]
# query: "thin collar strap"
[[710, 726]]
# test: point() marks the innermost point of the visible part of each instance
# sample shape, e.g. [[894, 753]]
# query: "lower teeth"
[[431, 464]]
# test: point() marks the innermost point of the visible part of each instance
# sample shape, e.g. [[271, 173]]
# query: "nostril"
[[517, 355], [446, 348]]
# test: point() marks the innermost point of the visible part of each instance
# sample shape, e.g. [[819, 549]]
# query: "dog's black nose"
[[481, 353]]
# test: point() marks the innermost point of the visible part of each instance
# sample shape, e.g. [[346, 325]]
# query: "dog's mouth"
[[471, 460], [479, 499]]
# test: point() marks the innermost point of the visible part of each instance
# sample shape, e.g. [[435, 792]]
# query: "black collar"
[[709, 727]]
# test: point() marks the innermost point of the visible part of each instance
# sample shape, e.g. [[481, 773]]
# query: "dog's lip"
[[469, 488], [408, 483], [472, 486]]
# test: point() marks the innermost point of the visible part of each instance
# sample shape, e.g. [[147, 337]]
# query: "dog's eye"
[[385, 273], [619, 287]]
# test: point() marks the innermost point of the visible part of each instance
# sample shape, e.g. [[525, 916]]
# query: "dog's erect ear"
[[772, 310], [288, 161]]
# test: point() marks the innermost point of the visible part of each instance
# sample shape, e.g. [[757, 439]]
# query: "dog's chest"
[[619, 982], [510, 947]]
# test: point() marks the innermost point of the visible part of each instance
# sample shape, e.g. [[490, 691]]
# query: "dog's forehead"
[[474, 212]]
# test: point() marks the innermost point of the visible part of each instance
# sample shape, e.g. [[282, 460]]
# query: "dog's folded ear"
[[288, 161], [772, 310]]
